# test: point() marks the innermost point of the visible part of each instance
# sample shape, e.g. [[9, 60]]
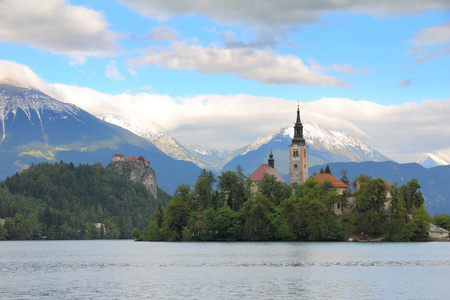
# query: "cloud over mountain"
[[402, 132]]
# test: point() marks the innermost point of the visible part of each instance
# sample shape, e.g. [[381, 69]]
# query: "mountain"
[[431, 160], [204, 158], [434, 181], [325, 146], [36, 127]]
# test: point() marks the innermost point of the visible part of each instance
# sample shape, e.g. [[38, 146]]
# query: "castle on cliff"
[[120, 157]]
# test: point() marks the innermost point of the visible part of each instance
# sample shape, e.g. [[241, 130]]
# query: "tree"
[[344, 178], [176, 217], [442, 220], [231, 182], [274, 190], [411, 194], [369, 207], [420, 225], [398, 216], [327, 170], [362, 178], [257, 223], [204, 189]]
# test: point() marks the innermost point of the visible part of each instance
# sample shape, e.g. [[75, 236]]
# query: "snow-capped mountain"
[[204, 158], [35, 127], [325, 146], [17, 101], [430, 160]]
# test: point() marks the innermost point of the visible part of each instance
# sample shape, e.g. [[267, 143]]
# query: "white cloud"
[[344, 69], [431, 43], [56, 26], [281, 12], [112, 72], [404, 82], [402, 132], [261, 65], [162, 33], [433, 35]]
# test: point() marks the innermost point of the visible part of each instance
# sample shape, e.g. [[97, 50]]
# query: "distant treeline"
[[226, 209], [62, 201]]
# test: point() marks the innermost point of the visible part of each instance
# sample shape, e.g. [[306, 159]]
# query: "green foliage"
[[411, 194], [275, 213], [274, 190], [61, 201], [442, 220]]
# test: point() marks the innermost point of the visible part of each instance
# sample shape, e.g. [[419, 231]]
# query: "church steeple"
[[298, 138], [298, 154], [271, 161]]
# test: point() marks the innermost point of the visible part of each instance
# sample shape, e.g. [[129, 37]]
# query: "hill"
[[62, 201]]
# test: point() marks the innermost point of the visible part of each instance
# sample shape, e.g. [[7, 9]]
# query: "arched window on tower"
[[295, 166]]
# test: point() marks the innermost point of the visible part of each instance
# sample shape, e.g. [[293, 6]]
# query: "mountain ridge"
[[37, 128], [331, 144]]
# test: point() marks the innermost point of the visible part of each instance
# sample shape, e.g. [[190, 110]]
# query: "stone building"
[[298, 155]]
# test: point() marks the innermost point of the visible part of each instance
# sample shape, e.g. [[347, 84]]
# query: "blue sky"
[[222, 73]]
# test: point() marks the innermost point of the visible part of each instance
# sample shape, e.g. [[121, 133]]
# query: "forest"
[[226, 209], [64, 201]]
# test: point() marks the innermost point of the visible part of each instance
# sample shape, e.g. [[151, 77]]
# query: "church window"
[[304, 152], [295, 153], [295, 166]]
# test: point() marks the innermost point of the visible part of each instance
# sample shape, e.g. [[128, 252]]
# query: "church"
[[298, 159]]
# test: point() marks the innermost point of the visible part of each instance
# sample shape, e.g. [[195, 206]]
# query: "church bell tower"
[[298, 155]]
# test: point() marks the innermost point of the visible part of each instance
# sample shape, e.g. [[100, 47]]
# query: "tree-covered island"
[[227, 208]]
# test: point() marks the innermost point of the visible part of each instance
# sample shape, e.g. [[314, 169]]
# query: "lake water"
[[124, 269]]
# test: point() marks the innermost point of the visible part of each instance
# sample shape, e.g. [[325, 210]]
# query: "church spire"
[[271, 161], [298, 131]]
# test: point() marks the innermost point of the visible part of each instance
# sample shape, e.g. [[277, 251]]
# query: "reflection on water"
[[127, 269]]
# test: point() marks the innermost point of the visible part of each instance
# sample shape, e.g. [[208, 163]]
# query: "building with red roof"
[[340, 189], [339, 185], [263, 169]]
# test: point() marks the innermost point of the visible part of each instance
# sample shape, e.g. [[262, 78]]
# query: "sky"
[[223, 73]]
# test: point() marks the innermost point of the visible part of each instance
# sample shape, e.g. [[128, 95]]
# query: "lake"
[[120, 269]]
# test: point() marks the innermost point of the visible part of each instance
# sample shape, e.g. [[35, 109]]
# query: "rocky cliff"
[[136, 171]]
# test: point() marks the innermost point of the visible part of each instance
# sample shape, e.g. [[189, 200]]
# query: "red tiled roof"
[[334, 181], [128, 159], [266, 169], [117, 155]]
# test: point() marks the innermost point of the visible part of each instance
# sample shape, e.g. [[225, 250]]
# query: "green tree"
[[411, 194], [235, 185], [370, 201], [398, 216], [204, 189], [257, 222], [274, 190], [442, 220], [176, 215], [420, 225]]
